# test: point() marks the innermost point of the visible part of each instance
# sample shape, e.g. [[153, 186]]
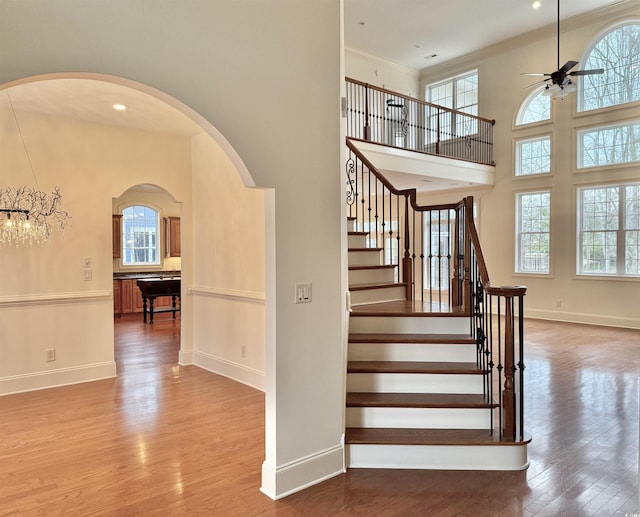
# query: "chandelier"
[[28, 215]]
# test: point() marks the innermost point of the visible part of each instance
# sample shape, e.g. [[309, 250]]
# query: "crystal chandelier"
[[28, 215]]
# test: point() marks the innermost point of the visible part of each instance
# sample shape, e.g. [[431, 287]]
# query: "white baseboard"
[[235, 371], [284, 480], [185, 357], [58, 377], [584, 318]]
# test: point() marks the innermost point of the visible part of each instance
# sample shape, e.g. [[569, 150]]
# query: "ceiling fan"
[[561, 82]]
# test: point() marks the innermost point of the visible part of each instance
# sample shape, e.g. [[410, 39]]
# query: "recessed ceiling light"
[[536, 4], [119, 107], [418, 46], [362, 23], [431, 56]]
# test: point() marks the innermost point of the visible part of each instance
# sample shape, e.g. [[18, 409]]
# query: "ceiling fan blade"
[[567, 66], [536, 83], [588, 72], [538, 75]]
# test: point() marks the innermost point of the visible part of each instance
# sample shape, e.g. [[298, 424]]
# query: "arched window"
[[140, 236], [618, 53], [535, 108]]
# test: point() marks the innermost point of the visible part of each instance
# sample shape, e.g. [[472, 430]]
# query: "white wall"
[[382, 73], [271, 86], [229, 269], [43, 286], [588, 300]]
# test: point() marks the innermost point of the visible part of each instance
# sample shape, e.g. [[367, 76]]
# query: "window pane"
[[609, 145], [533, 233], [600, 209], [599, 252], [618, 53], [535, 109], [140, 231], [533, 156]]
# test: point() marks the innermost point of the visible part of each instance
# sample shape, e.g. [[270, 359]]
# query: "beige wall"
[[382, 73], [228, 291]]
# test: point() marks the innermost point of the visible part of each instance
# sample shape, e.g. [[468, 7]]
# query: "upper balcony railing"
[[390, 118]]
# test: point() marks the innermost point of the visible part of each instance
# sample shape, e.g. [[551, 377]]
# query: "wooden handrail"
[[419, 101]]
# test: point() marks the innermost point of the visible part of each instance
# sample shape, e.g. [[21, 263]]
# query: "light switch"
[[303, 293]]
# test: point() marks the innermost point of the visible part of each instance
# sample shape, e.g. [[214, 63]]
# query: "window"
[[532, 232], [533, 156], [609, 230], [140, 236], [618, 53], [609, 145], [459, 93], [535, 108]]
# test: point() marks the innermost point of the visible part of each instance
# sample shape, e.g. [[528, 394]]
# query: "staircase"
[[417, 393]]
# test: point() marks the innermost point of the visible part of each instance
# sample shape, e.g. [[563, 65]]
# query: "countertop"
[[145, 274]]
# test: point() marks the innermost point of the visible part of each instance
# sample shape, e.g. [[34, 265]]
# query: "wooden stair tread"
[[357, 233], [375, 285], [373, 266], [447, 339], [407, 436], [418, 400], [414, 367], [365, 249]]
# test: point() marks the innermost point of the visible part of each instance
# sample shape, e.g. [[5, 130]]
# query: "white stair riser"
[[351, 225], [419, 418], [445, 457], [414, 383], [411, 352], [365, 258], [357, 241], [409, 325], [386, 294], [371, 276]]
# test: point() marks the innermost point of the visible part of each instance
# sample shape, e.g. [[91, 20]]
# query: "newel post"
[[407, 263], [509, 408]]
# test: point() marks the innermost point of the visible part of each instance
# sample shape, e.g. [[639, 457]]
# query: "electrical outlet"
[[88, 275], [243, 350], [51, 354], [559, 304]]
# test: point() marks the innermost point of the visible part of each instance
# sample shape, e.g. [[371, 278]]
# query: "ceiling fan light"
[[570, 87], [547, 91]]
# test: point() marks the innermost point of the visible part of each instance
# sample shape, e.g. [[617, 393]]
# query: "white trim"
[[24, 300], [287, 479], [58, 377], [376, 60], [439, 457], [221, 292], [237, 372], [583, 318]]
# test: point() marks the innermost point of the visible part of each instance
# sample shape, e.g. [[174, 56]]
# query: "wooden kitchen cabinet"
[[127, 298], [116, 234], [117, 297], [173, 236]]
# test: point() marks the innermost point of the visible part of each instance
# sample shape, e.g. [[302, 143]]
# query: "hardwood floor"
[[163, 439]]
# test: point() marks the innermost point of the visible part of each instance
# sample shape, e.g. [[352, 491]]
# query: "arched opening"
[[77, 141]]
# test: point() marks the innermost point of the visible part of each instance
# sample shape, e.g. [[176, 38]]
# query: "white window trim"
[[537, 274], [578, 234], [515, 157], [578, 154], [143, 265]]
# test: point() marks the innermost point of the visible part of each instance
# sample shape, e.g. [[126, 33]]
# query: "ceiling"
[[392, 30], [405, 31]]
